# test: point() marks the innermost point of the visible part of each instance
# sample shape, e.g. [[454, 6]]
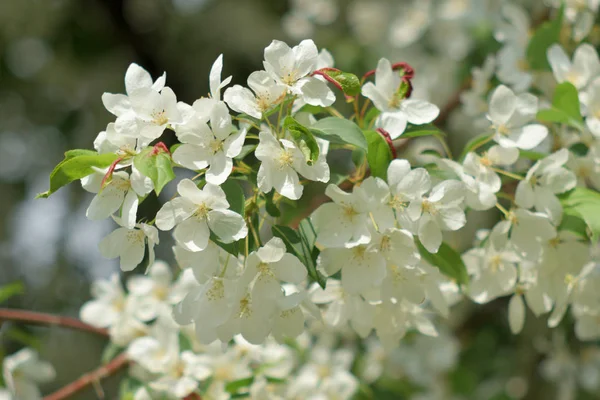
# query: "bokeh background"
[[57, 57]]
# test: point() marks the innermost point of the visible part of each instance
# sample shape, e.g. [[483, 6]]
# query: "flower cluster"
[[284, 260]]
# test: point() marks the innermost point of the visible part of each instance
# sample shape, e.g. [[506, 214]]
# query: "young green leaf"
[[156, 164], [545, 36], [235, 196], [448, 261], [413, 131], [301, 244], [531, 155], [349, 82], [76, 165], [235, 386], [475, 143], [339, 131], [379, 154], [585, 204], [11, 289], [565, 107], [303, 138]]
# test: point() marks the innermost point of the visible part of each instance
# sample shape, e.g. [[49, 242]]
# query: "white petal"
[[430, 235], [136, 77], [220, 168], [242, 100], [516, 313], [419, 112], [192, 234], [502, 105], [289, 269], [316, 92], [229, 226], [530, 136], [524, 195], [174, 212], [129, 209]]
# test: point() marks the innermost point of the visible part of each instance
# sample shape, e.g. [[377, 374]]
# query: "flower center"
[[428, 207], [202, 211], [159, 117], [503, 129], [216, 291], [286, 158], [216, 145], [397, 203], [349, 211], [290, 77], [359, 251], [495, 262]]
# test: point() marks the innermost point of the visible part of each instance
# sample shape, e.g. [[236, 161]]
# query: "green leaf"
[[185, 344], [371, 115], [580, 149], [413, 131], [246, 149], [565, 107], [339, 131], [379, 154], [531, 155], [545, 36], [303, 138], [475, 143], [156, 164], [235, 386], [235, 196], [301, 243], [11, 289], [448, 261], [349, 82], [76, 165], [585, 204], [270, 206], [574, 223]]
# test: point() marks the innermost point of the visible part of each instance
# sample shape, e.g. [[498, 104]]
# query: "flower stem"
[[36, 318], [91, 378], [506, 173]]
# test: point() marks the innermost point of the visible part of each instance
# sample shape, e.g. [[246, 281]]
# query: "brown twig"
[[36, 318], [90, 378]]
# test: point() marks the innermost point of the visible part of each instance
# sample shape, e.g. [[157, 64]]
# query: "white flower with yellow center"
[[585, 65], [212, 147], [198, 212], [266, 90], [136, 78], [23, 371], [543, 182], [281, 162], [292, 67], [155, 111], [511, 118], [396, 111], [441, 210], [345, 222], [269, 266], [130, 245], [362, 267]]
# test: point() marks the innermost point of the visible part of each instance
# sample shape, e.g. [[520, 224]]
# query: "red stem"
[[36, 318], [160, 146], [110, 171], [321, 72], [389, 141], [90, 378]]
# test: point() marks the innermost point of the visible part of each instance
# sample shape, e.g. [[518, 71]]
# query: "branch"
[[36, 318], [91, 378]]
